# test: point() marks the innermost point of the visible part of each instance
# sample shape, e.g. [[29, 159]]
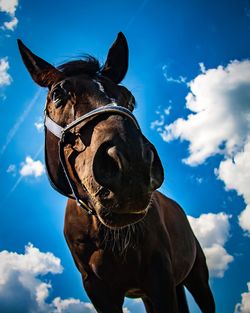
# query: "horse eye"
[[59, 96], [131, 103]]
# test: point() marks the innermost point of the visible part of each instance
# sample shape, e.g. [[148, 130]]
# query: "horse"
[[127, 239]]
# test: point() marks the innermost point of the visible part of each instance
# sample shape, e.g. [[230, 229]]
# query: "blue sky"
[[190, 73]]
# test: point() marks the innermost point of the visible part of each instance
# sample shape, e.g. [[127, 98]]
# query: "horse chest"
[[116, 268]]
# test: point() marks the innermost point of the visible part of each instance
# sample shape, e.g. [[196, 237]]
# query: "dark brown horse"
[[126, 238]]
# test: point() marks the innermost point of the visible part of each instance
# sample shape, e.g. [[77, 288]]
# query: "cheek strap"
[[72, 184]]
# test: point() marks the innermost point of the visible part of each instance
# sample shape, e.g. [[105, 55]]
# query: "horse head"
[[94, 148]]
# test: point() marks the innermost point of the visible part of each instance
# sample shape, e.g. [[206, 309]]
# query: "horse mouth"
[[120, 220]]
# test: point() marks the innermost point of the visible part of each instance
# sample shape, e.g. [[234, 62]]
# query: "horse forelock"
[[89, 66]]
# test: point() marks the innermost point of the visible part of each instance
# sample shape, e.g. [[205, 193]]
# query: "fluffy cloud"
[[32, 168], [133, 305], [212, 231], [244, 306], [9, 7], [218, 260], [11, 169], [236, 175], [71, 305], [11, 24], [219, 99], [159, 123], [5, 78], [219, 123], [20, 288], [23, 287], [39, 125], [170, 79]]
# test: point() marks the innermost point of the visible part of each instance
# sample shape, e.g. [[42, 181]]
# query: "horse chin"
[[115, 220]]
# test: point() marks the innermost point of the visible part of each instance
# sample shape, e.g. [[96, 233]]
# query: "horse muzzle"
[[127, 175], [120, 169]]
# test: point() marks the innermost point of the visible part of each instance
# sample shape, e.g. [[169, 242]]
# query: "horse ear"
[[41, 71], [116, 65]]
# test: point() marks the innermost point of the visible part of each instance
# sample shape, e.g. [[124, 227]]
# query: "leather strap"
[[58, 130]]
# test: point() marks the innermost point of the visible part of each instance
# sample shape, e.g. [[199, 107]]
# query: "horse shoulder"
[[182, 240]]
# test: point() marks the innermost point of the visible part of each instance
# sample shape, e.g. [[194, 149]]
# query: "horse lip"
[[119, 220], [132, 212], [107, 212]]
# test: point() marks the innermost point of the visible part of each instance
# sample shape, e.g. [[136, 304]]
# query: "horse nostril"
[[152, 160], [156, 170], [104, 192], [116, 155], [107, 165]]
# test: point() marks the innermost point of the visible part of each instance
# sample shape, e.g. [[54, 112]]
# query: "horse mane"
[[89, 65]]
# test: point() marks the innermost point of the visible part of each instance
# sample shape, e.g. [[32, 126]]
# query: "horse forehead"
[[81, 83], [76, 84], [116, 129]]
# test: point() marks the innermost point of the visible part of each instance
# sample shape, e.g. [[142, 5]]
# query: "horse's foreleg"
[[197, 283], [160, 286], [148, 305], [102, 297], [182, 300]]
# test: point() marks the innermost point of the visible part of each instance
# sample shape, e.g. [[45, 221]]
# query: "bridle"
[[61, 132]]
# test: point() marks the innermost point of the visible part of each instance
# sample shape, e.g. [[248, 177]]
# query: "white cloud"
[[219, 123], [20, 288], [32, 168], [212, 231], [5, 78], [71, 305], [218, 260], [11, 169], [244, 306], [202, 67], [33, 262], [23, 287], [39, 125], [199, 180], [133, 305], [158, 124], [170, 79], [211, 228], [244, 220], [11, 24], [9, 7], [219, 99], [236, 175], [167, 110]]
